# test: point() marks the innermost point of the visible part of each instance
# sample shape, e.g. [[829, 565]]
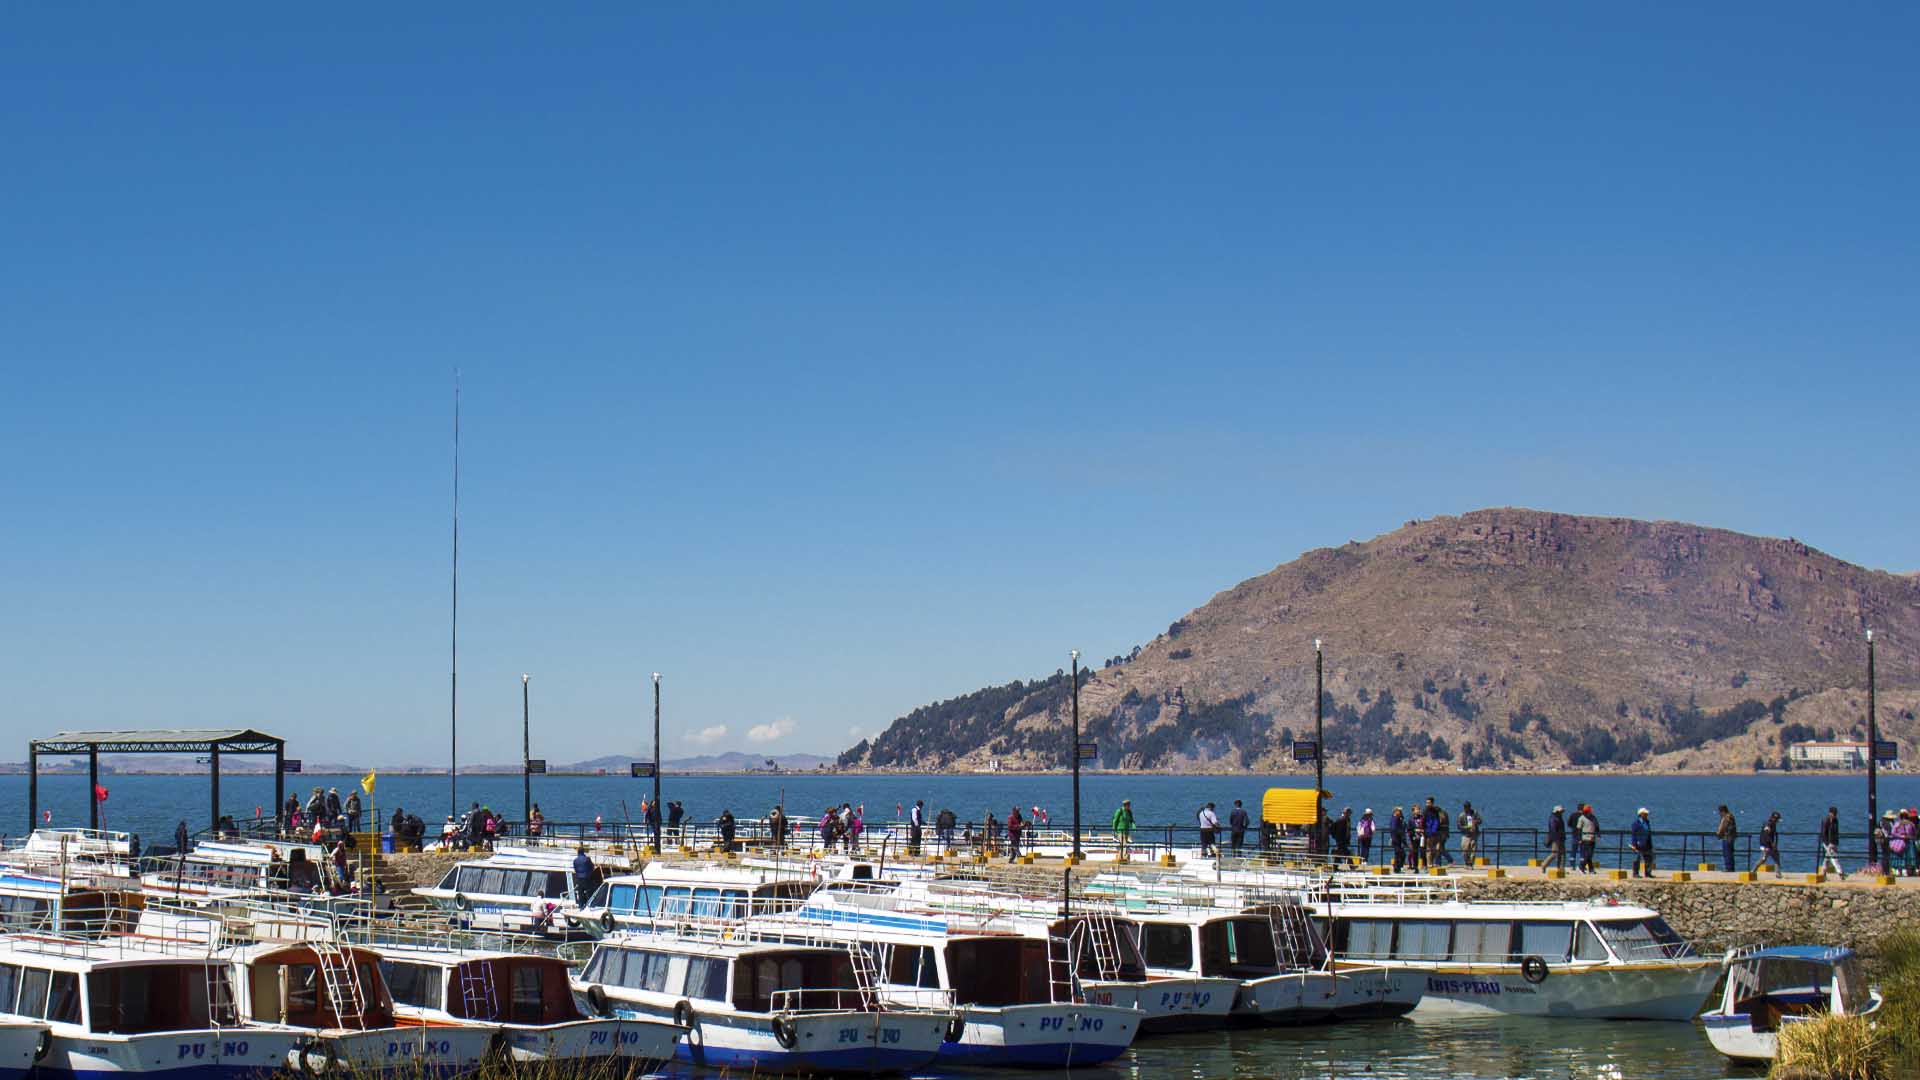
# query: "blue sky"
[[833, 360]]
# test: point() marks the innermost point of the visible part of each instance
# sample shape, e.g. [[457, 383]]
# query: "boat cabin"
[[287, 984], [105, 992], [1795, 980], [1239, 946], [496, 987], [750, 978], [645, 898], [1507, 934]]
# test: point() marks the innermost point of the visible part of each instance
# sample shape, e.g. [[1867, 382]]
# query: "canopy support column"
[[93, 789], [213, 757]]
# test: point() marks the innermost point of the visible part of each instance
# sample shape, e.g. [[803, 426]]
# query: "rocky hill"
[[1497, 639]]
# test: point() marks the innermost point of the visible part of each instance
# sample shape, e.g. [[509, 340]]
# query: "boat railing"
[[819, 1001], [119, 930]]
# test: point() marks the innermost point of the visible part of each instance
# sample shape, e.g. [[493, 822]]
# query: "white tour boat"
[[522, 890], [664, 894], [1769, 989], [22, 1042], [759, 1006], [217, 870], [1592, 959], [525, 1000], [155, 1003]]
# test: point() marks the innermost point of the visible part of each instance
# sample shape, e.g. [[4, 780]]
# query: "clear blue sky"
[[835, 359]]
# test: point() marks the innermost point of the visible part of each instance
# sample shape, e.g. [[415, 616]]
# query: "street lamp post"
[[656, 762], [1076, 756], [1319, 752], [526, 753], [1873, 760]]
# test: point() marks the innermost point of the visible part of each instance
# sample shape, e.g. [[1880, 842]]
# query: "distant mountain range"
[[1504, 638]]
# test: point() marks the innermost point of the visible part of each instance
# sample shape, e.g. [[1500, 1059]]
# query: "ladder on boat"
[[1295, 942], [1103, 934], [866, 974], [476, 991], [220, 1010], [343, 987], [1063, 956]]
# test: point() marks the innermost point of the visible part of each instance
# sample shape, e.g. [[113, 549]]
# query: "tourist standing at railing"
[[777, 827], [856, 824], [290, 813], [180, 838], [1469, 834], [1877, 844], [583, 874], [1123, 826], [333, 803], [1642, 843], [1729, 831], [915, 821], [353, 812], [1830, 843], [1770, 845], [726, 830], [944, 823], [1209, 829], [1442, 830], [536, 821], [1556, 839], [1237, 826], [316, 806], [1397, 837], [676, 814], [1340, 833], [1015, 826]]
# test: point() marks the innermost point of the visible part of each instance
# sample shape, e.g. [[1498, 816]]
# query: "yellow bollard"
[[1494, 873], [1377, 870], [1481, 860], [1166, 859], [1557, 873], [1616, 875], [1744, 877], [1816, 879], [1682, 875], [1533, 862], [1705, 868], [1436, 871], [1883, 879]]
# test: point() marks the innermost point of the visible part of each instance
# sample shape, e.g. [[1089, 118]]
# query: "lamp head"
[[1076, 653], [656, 676], [1316, 644], [524, 678], [1869, 635]]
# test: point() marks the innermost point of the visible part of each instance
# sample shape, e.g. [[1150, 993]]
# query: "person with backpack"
[[1469, 834], [944, 823], [352, 810], [1123, 826], [1587, 828]]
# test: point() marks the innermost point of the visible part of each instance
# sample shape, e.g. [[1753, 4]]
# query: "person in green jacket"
[[1123, 825]]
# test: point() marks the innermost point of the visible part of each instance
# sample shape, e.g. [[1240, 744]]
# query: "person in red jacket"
[[1015, 826]]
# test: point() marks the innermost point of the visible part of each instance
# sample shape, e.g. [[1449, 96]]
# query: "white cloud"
[[856, 732], [708, 735], [779, 729]]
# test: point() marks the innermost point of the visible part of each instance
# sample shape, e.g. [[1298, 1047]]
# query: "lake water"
[[150, 805]]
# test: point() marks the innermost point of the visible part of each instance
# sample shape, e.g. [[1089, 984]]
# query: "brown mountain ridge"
[[1502, 638]]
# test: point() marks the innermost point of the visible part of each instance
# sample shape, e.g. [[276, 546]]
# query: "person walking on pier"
[[1587, 829], [1469, 834], [1439, 827], [1123, 826], [915, 821], [1366, 835], [1727, 831], [1830, 844], [1015, 826], [1416, 837], [1209, 829], [1340, 834], [1556, 840], [1237, 826], [1643, 843], [1397, 837], [1770, 845]]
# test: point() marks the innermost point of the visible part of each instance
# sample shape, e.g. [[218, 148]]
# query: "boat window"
[[1587, 946], [528, 1002], [63, 1006], [152, 997], [736, 905], [1550, 941], [1478, 942], [492, 881], [556, 886], [9, 986], [912, 965], [607, 966], [1250, 943], [452, 880], [706, 903], [646, 970], [1423, 939], [33, 993], [621, 899], [647, 902], [707, 978], [303, 991], [413, 984], [1633, 940], [1168, 945], [1851, 993], [1369, 939], [676, 900], [1671, 943]]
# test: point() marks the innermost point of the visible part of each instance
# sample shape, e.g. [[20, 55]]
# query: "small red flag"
[[99, 793]]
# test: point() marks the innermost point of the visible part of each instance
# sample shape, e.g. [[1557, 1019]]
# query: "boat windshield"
[[157, 997], [1638, 940]]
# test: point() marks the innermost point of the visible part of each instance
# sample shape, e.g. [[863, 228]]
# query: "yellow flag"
[[366, 783]]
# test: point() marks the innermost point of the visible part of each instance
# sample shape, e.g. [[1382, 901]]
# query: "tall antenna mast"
[[453, 757]]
